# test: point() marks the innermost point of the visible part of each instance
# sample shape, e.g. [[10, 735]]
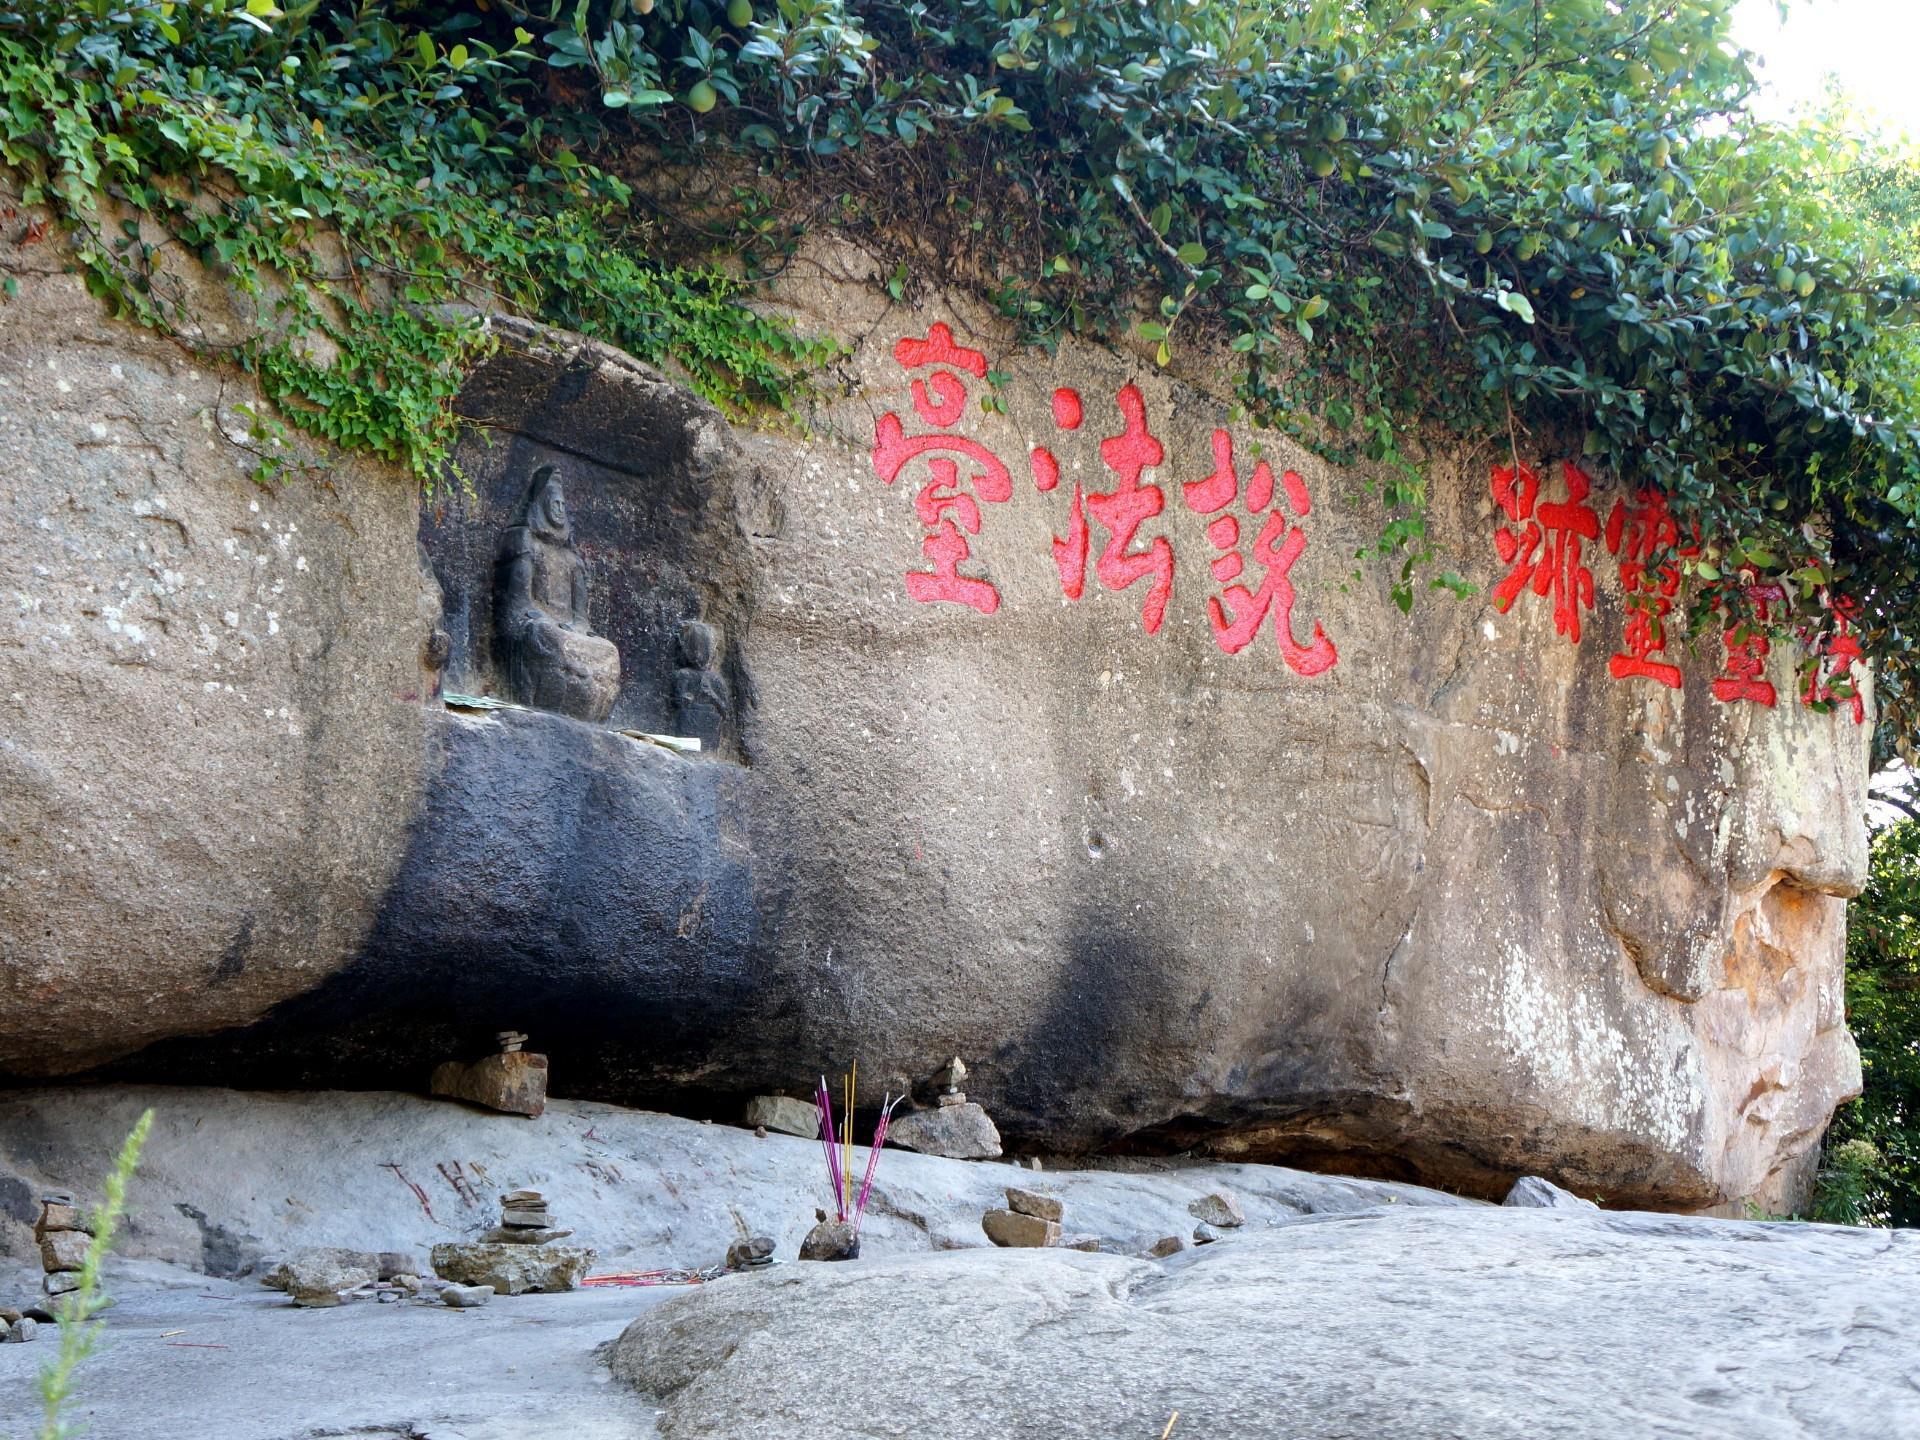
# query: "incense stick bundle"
[[873, 1159], [823, 1101]]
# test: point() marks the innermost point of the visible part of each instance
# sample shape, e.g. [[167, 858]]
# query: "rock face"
[[211, 747], [1388, 1323], [1436, 895]]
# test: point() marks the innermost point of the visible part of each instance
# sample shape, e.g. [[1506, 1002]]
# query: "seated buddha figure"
[[548, 655]]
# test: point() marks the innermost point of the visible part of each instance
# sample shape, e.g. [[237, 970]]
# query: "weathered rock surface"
[[211, 747], [514, 1084], [958, 1132], [1462, 906], [1492, 1323], [512, 1269], [467, 1297], [231, 1181]]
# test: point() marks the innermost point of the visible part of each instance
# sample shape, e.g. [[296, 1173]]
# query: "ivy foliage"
[[372, 184], [1882, 1127], [1521, 219]]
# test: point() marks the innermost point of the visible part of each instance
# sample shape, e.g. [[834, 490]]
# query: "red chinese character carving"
[[1543, 544], [1238, 613], [1121, 512], [1833, 658], [949, 514], [1747, 647], [1648, 533]]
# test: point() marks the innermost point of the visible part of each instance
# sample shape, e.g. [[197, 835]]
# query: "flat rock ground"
[[1343, 1308]]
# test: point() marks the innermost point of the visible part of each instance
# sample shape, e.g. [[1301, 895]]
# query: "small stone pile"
[[955, 1127], [517, 1255], [525, 1220], [1032, 1221], [64, 1237]]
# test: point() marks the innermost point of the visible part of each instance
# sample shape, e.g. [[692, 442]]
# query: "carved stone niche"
[[548, 656]]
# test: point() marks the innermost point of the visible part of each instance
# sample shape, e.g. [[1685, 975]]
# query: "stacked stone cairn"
[[1031, 1221], [64, 1237], [517, 1255], [955, 1127]]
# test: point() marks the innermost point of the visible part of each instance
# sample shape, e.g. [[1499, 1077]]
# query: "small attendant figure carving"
[[702, 699], [550, 658]]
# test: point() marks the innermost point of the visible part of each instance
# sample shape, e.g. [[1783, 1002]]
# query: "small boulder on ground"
[[957, 1132], [21, 1329], [1169, 1245], [750, 1254], [466, 1297], [831, 1240], [1015, 1231], [1221, 1208], [512, 1269], [784, 1114], [514, 1084], [323, 1268], [1530, 1192]]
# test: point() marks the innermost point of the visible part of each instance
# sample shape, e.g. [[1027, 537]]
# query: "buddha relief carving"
[[549, 657], [702, 699]]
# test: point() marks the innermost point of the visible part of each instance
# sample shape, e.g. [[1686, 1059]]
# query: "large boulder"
[[1436, 895], [1415, 1323]]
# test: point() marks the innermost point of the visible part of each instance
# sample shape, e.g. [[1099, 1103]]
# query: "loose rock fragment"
[[1030, 1202], [957, 1132], [1168, 1245], [1221, 1208], [750, 1254], [515, 1084], [1531, 1192], [466, 1297], [831, 1240], [1016, 1231], [784, 1114], [64, 1249], [512, 1269]]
